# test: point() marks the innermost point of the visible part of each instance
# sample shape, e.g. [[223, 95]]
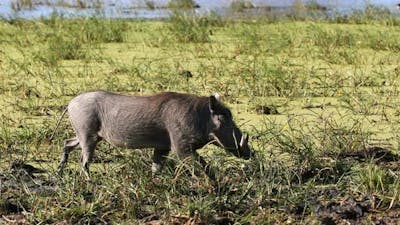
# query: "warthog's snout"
[[244, 148], [235, 144]]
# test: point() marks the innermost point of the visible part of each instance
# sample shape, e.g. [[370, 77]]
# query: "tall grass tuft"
[[150, 4], [188, 28], [65, 47], [87, 4], [240, 5], [182, 4], [370, 14], [74, 39], [18, 5], [379, 183]]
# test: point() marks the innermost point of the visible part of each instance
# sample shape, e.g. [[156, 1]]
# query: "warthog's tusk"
[[244, 140]]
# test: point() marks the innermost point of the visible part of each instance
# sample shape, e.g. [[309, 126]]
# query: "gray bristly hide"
[[166, 121]]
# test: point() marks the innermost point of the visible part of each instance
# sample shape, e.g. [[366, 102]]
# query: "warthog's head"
[[225, 132]]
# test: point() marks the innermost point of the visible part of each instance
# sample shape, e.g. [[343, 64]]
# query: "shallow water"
[[137, 9]]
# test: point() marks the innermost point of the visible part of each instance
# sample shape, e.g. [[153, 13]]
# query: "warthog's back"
[[135, 121]]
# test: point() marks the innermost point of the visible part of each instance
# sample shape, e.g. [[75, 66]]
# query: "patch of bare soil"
[[350, 211], [379, 154], [19, 176], [332, 206], [337, 207], [195, 220], [266, 110], [346, 211]]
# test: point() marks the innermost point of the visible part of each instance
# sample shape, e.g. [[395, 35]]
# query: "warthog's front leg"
[[159, 156], [185, 150], [209, 171]]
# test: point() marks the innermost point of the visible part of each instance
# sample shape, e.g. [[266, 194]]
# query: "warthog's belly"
[[141, 137]]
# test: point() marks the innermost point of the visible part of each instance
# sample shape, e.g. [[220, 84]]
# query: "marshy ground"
[[319, 98]]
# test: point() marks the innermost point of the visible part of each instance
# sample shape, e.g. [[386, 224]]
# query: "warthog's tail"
[[58, 123]]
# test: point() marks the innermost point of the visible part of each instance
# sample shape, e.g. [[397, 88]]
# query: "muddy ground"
[[325, 204]]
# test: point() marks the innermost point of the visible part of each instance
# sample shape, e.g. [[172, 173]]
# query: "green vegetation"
[[150, 4], [19, 5], [189, 29], [320, 100], [241, 5], [182, 4]]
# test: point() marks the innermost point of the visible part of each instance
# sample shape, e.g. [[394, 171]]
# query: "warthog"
[[166, 121]]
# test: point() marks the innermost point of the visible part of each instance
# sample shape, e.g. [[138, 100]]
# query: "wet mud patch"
[[266, 109], [184, 219], [386, 217], [23, 187], [330, 168], [350, 211], [323, 173], [343, 211], [332, 205], [376, 153], [19, 166], [380, 156], [21, 176], [11, 205]]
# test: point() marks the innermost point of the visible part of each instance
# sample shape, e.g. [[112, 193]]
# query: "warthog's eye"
[[228, 115], [225, 115]]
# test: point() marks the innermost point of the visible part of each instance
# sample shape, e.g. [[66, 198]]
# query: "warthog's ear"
[[214, 107], [217, 96], [214, 104]]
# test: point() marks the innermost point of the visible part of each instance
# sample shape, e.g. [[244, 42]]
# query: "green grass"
[[182, 4], [240, 5], [334, 86], [19, 5]]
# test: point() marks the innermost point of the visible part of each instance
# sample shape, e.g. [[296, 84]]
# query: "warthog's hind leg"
[[69, 145], [88, 145]]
